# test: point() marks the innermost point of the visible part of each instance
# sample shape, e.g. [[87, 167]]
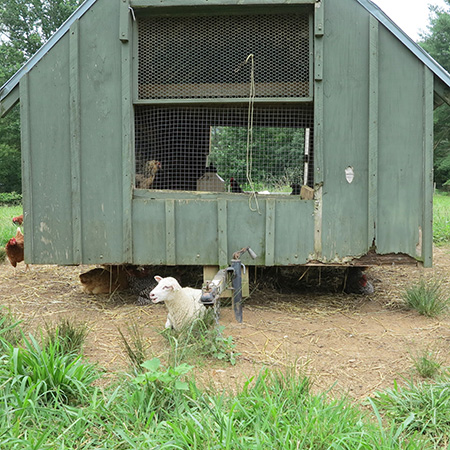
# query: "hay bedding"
[[357, 344]]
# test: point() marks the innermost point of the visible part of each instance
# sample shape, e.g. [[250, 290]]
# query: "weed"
[[427, 298], [69, 335], [136, 349], [426, 363]]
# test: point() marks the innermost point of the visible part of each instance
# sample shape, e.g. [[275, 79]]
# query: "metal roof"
[[373, 9]]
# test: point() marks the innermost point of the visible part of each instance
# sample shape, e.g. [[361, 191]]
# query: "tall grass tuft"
[[426, 363], [135, 347], [46, 374], [427, 298], [69, 335]]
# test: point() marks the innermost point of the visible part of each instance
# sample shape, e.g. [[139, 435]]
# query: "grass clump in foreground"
[[423, 407], [48, 401], [427, 298]]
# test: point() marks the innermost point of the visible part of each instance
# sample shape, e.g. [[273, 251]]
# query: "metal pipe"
[[237, 289]]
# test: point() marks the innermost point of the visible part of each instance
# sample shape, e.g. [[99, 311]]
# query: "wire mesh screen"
[[201, 57], [208, 148]]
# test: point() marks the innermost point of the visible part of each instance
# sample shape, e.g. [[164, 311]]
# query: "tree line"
[[25, 25]]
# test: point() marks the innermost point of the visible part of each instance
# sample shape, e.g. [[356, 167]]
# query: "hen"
[[18, 220], [357, 282], [15, 249], [235, 186], [145, 180]]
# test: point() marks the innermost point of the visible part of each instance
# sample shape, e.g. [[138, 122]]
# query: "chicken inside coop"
[[208, 149]]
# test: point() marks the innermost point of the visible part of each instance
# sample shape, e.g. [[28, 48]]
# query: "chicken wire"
[[201, 148], [202, 56]]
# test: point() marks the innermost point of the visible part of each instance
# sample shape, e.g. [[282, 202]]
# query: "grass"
[[427, 363], [424, 406], [48, 400], [427, 298], [69, 335], [203, 339], [441, 219]]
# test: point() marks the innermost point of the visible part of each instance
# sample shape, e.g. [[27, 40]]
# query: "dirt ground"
[[351, 343]]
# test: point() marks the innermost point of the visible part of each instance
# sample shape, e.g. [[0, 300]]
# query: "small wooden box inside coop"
[[210, 182], [306, 193]]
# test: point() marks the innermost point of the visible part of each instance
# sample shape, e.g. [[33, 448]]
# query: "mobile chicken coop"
[[175, 132]]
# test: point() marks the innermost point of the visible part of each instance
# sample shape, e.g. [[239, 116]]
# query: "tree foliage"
[[437, 43], [25, 25]]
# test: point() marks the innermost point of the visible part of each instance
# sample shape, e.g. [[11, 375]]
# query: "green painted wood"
[[149, 232], [269, 252], [401, 152], [319, 19], [208, 101], [50, 140], [197, 233], [102, 136], [222, 232], [75, 147], [27, 191], [345, 131], [318, 134], [373, 133], [427, 227], [294, 232], [171, 235], [127, 147], [124, 23]]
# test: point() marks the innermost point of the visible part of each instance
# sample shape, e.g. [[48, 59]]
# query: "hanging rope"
[[249, 153]]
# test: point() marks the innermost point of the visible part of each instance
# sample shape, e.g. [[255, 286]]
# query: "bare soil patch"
[[347, 343]]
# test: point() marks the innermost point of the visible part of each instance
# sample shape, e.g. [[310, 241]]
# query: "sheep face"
[[164, 290]]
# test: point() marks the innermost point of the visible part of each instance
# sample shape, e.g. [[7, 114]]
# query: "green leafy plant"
[[427, 298], [54, 375]]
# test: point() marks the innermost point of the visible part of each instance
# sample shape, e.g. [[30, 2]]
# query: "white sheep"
[[184, 304]]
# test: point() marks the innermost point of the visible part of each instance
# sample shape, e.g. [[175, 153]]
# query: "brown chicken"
[[104, 280], [15, 249], [145, 180], [18, 220]]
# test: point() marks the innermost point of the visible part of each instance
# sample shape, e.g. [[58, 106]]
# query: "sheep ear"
[[158, 278]]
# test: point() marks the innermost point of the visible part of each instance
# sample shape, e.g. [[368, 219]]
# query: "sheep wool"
[[183, 304]]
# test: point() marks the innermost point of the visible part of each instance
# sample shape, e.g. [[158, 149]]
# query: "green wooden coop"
[[176, 132]]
